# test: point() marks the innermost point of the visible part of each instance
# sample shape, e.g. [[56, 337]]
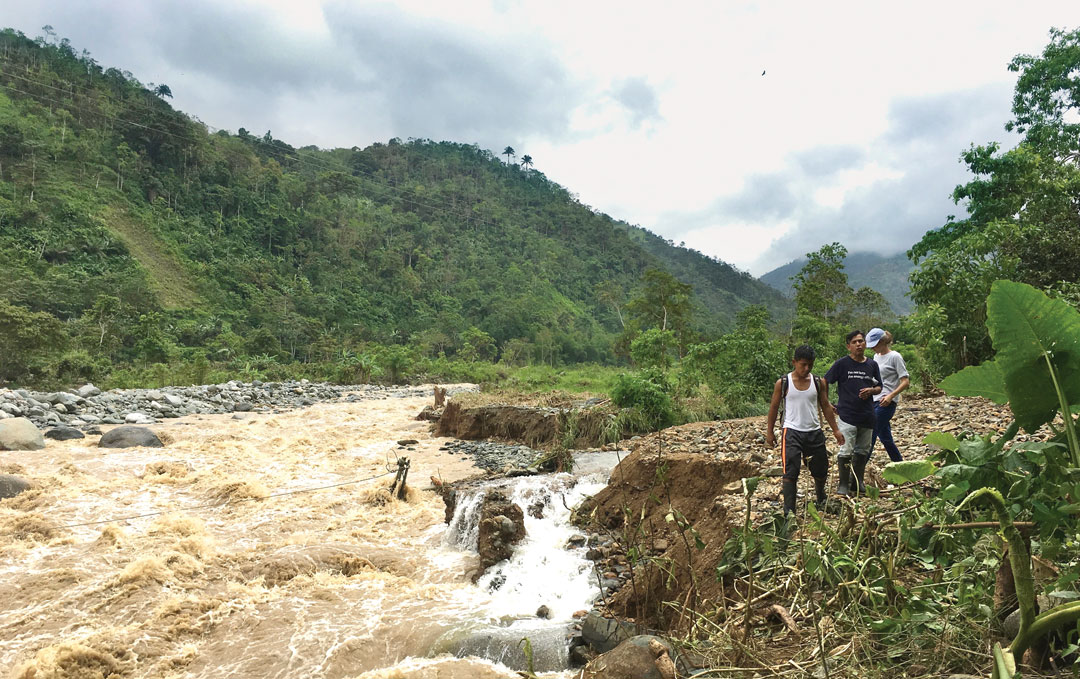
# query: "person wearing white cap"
[[894, 380]]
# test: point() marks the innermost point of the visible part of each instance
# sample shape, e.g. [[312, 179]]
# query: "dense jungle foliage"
[[139, 245]]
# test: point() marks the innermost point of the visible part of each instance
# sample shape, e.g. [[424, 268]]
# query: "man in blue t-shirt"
[[857, 380]]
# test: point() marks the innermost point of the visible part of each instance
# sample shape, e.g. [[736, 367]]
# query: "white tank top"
[[801, 407]]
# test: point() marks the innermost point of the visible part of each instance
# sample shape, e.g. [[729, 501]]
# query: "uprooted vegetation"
[[916, 577]]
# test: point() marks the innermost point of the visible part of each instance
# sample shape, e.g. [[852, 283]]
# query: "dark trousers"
[[797, 446], [883, 431]]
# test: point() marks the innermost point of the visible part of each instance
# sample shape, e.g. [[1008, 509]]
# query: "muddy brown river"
[[339, 582]]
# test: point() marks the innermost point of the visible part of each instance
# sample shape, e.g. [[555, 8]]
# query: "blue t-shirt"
[[850, 376]]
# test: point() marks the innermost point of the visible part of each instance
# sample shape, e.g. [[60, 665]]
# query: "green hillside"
[[887, 275], [132, 234]]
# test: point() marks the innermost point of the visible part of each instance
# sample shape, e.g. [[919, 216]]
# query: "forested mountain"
[[887, 275], [131, 233]]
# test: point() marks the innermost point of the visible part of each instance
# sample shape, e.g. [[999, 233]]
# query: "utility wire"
[[212, 505]]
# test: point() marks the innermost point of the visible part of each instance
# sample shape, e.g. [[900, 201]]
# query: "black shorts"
[[795, 446]]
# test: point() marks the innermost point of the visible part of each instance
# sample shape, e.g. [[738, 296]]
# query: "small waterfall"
[[543, 571], [464, 528]]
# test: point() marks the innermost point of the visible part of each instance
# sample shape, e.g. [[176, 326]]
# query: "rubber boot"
[[789, 492], [819, 492], [843, 480], [858, 468]]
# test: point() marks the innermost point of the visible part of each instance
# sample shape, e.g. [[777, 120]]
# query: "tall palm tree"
[[508, 151], [526, 161]]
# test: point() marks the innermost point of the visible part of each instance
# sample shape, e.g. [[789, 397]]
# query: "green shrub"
[[643, 393]]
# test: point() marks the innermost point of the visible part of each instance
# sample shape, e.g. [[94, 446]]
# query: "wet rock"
[[502, 525], [19, 433], [430, 414], [139, 418], [407, 442], [604, 634], [130, 437], [10, 486], [543, 612], [576, 541], [241, 407], [632, 658], [64, 434]]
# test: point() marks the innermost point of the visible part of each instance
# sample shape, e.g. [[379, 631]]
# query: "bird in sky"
[[763, 73]]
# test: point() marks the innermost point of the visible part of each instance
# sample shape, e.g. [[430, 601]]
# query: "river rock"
[[632, 659], [139, 418], [64, 434], [130, 437], [604, 634], [88, 390], [502, 525], [19, 433], [10, 486]]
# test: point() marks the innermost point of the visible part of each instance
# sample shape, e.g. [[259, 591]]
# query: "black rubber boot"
[[819, 492], [843, 474], [789, 492], [858, 468]]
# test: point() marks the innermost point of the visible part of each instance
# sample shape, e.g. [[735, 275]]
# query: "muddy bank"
[[665, 508], [536, 427]]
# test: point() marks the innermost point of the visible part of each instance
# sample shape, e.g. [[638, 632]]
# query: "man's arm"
[[774, 408], [870, 392], [829, 412]]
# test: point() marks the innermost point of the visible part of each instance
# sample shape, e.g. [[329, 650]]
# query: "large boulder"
[[502, 525], [88, 390], [64, 434], [604, 634], [19, 433], [130, 437], [10, 486], [640, 657]]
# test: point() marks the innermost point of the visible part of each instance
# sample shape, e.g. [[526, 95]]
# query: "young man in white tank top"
[[802, 437]]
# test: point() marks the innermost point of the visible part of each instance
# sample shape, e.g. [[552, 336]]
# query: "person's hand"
[[770, 439], [839, 436], [885, 400], [866, 392]]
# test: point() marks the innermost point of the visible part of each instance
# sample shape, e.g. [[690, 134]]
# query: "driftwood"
[[778, 613]]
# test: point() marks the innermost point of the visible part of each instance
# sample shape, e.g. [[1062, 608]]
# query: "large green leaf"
[[908, 471], [1026, 326], [983, 380]]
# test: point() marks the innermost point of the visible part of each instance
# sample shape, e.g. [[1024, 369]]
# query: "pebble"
[[494, 457]]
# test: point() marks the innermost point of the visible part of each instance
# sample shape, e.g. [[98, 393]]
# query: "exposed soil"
[[535, 426], [648, 496]]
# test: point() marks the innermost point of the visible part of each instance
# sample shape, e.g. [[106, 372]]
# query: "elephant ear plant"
[[1036, 370]]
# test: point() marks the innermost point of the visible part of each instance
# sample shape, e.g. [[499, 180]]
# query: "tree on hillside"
[[821, 285], [163, 91], [664, 303], [526, 162], [508, 151]]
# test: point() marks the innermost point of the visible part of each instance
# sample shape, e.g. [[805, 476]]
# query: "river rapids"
[[341, 582]]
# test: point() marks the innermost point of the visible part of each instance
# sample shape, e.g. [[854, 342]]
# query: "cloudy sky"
[[656, 113]]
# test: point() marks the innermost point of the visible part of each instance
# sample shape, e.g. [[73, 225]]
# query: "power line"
[[213, 505]]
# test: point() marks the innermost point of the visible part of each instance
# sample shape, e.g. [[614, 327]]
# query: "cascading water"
[[544, 571]]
